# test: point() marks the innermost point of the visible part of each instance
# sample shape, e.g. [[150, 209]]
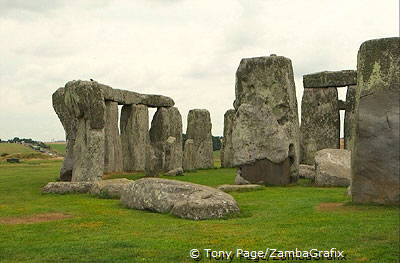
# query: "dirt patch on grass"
[[327, 207], [38, 218]]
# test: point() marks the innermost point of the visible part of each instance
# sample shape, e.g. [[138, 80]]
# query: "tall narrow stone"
[[199, 130], [375, 155], [85, 102], [166, 140], [349, 116], [113, 147], [189, 156], [134, 126], [320, 122], [227, 147], [69, 123], [265, 135]]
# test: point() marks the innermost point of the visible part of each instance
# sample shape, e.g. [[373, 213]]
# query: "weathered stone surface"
[[69, 123], [113, 147], [332, 167], [320, 122], [111, 188], [165, 141], [307, 171], [188, 156], [239, 180], [349, 117], [85, 102], [239, 188], [375, 156], [199, 130], [227, 147], [328, 79], [67, 187], [134, 126], [182, 199], [266, 127], [126, 97], [175, 172]]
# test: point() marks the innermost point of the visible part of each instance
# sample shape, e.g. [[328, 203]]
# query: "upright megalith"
[[227, 147], [189, 156], [69, 123], [349, 116], [320, 117], [320, 122], [134, 126], [265, 134], [113, 147], [165, 141], [85, 102], [375, 155], [199, 130]]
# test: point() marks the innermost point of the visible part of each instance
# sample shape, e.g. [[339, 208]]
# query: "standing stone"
[[265, 135], [332, 167], [199, 130], [134, 127], [227, 147], [375, 155], [85, 102], [165, 141], [188, 156], [69, 123], [113, 147], [349, 116], [320, 122]]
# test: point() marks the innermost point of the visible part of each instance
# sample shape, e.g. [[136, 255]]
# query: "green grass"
[[14, 148], [58, 147], [102, 230]]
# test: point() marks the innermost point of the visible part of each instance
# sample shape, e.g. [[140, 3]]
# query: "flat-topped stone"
[[239, 188], [326, 79], [182, 199], [126, 97]]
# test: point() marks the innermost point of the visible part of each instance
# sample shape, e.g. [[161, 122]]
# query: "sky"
[[186, 49]]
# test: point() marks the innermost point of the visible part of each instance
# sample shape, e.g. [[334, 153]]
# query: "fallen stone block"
[[112, 188], [239, 188], [333, 167], [67, 187], [182, 199]]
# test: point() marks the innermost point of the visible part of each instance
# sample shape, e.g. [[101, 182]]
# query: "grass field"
[[13, 148], [102, 230], [57, 147]]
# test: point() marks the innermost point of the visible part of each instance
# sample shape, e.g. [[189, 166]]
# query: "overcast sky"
[[188, 50]]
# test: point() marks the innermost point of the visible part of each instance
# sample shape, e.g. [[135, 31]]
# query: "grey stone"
[[349, 117], [188, 156], [375, 155], [327, 79], [166, 140], [199, 130], [84, 101], [320, 122], [69, 123], [227, 147], [239, 188], [307, 171], [134, 126], [239, 180], [111, 188], [113, 148], [67, 187], [175, 172], [266, 127], [126, 97], [182, 199], [332, 167]]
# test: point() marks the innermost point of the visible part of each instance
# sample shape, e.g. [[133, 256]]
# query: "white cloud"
[[188, 50]]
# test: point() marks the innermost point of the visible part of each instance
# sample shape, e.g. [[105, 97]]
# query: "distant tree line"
[[26, 140], [216, 141]]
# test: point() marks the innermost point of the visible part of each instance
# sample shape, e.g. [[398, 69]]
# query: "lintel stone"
[[326, 79]]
